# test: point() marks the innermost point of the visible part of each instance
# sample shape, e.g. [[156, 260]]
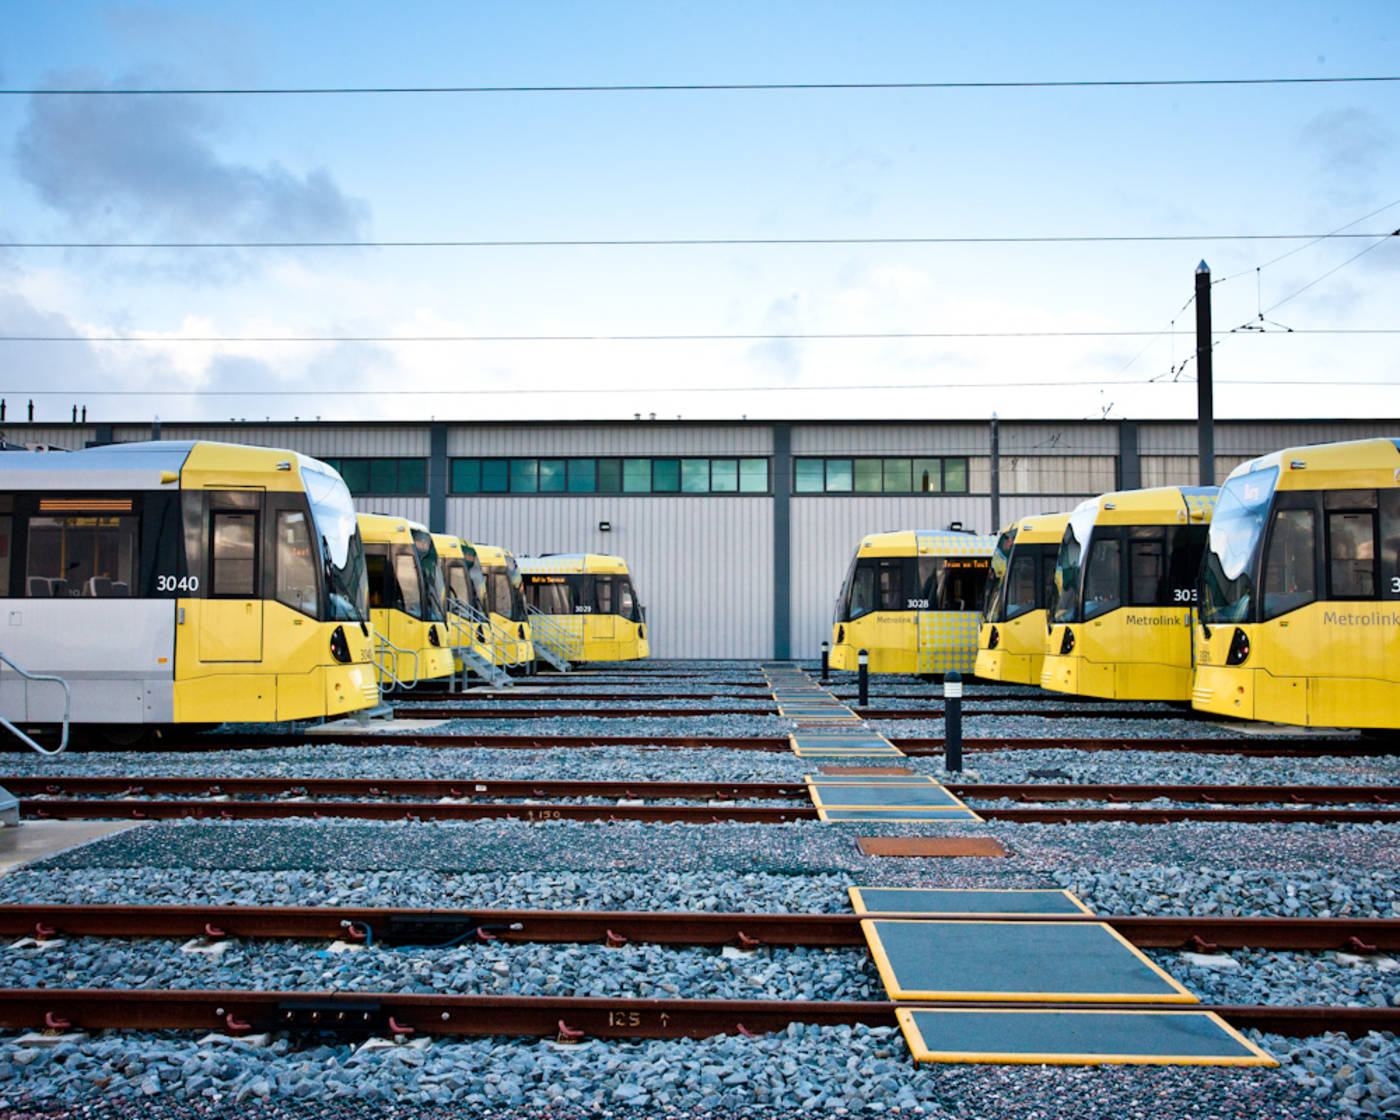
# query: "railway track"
[[568, 1018], [163, 798], [1281, 746], [469, 711]]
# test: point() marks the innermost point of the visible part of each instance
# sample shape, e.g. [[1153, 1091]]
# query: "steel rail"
[[240, 1012], [468, 788], [460, 788], [1254, 747], [427, 926], [470, 711], [712, 813]]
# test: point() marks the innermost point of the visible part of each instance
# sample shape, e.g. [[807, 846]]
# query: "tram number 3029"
[[177, 583]]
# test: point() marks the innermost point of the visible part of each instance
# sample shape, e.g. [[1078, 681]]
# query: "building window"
[[604, 476], [384, 475], [879, 476]]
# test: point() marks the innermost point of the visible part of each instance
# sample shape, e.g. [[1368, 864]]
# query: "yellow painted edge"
[[896, 992], [1147, 961], [880, 956], [921, 1052], [869, 780], [881, 808], [835, 817], [858, 899]]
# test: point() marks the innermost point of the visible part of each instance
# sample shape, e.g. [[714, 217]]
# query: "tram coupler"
[[952, 722], [863, 677], [826, 662]]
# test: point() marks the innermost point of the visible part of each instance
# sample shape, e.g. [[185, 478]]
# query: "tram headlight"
[[993, 638], [840, 634], [340, 648], [1239, 648], [1067, 642], [433, 639], [520, 632], [641, 631]]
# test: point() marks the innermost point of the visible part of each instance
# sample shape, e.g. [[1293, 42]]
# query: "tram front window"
[[434, 589], [333, 513], [1103, 575], [1001, 556], [406, 575], [1020, 593], [296, 569], [1236, 526], [1067, 562]]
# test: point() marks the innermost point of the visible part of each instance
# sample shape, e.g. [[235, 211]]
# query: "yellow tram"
[[911, 599], [505, 604], [1011, 640], [1125, 579], [405, 598], [1300, 589], [585, 607], [181, 582]]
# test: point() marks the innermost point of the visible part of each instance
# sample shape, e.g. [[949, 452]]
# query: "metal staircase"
[[471, 630], [555, 639]]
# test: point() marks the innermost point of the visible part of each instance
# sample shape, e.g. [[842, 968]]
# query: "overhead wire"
[[679, 87]]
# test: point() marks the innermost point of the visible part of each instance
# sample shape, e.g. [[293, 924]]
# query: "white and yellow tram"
[[181, 583]]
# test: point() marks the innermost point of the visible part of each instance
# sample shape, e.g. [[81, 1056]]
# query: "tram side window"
[[604, 590], [6, 537], [1021, 586], [377, 573], [1147, 568], [235, 555], [72, 557], [410, 592], [1290, 579], [626, 602], [1351, 554], [1102, 581], [1390, 544], [296, 566]]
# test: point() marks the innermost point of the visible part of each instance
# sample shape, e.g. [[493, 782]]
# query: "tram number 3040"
[[177, 583]]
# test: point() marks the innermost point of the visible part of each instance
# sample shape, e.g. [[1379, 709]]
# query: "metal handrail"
[[550, 631], [382, 641], [502, 639], [67, 710]]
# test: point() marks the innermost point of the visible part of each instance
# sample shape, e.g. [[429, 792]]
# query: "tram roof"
[[383, 527], [1040, 528], [1357, 464], [927, 542], [573, 562], [492, 554], [1158, 505], [153, 464]]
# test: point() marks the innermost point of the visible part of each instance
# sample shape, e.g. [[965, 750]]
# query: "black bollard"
[[863, 660], [826, 662], [952, 721]]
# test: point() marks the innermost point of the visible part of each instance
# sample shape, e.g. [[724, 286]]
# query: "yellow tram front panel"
[[595, 630], [287, 676], [1122, 630], [418, 647], [1303, 618], [503, 577], [911, 601], [1011, 638]]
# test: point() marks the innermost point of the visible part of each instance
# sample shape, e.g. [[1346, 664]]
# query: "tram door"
[[605, 619], [231, 621]]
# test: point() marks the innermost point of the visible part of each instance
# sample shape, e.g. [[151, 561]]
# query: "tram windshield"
[[1068, 563], [912, 583], [1227, 581], [454, 573], [1001, 556], [333, 512], [434, 589]]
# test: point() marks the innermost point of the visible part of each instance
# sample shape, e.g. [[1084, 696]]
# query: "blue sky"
[[1181, 161]]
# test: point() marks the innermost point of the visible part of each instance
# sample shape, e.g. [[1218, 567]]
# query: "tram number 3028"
[[916, 604], [177, 583]]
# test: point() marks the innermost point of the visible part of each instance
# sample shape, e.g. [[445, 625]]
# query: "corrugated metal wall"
[[932, 438], [1249, 440], [703, 566]]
